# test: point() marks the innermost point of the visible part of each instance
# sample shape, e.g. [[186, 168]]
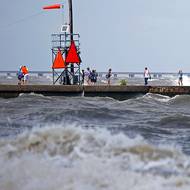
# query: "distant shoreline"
[[103, 72]]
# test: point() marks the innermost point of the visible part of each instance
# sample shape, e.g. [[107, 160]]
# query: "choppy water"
[[99, 143]]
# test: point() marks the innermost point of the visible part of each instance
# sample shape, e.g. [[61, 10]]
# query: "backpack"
[[108, 76]]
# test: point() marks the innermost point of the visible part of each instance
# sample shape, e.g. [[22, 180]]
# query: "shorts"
[[26, 77], [20, 78]]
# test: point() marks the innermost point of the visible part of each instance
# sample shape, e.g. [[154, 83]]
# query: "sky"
[[125, 35]]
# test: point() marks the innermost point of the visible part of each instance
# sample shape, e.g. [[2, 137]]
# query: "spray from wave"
[[186, 81], [76, 158]]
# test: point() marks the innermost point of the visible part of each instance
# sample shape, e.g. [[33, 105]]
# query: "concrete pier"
[[8, 91], [118, 92]]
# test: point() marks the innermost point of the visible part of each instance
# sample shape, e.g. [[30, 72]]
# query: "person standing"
[[92, 77], [108, 76], [20, 76], [180, 80], [87, 75], [26, 75], [96, 76], [146, 76], [83, 75]]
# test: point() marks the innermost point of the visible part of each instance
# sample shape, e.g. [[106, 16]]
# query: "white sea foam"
[[157, 97], [186, 81], [82, 159], [49, 77], [9, 77], [31, 94]]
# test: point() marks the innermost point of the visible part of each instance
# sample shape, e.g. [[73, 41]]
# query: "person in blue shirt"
[[20, 76]]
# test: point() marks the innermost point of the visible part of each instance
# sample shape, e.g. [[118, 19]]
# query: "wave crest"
[[80, 158]]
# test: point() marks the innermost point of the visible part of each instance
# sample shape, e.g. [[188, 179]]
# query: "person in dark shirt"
[[180, 80], [108, 76]]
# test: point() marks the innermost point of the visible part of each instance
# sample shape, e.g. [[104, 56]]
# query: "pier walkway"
[[118, 92]]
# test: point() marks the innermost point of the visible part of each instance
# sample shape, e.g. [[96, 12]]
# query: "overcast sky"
[[125, 35]]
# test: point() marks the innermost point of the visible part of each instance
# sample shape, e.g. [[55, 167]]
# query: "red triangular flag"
[[59, 62], [72, 55]]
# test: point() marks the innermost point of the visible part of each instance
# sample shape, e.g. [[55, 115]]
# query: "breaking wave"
[[73, 157]]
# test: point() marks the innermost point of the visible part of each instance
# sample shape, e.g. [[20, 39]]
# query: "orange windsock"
[[55, 6]]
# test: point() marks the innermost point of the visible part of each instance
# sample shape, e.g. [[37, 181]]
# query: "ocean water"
[[95, 143]]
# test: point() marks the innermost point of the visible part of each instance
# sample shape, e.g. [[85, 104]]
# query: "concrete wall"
[[120, 92]]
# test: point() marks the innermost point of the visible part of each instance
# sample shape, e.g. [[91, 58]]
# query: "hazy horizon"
[[123, 35]]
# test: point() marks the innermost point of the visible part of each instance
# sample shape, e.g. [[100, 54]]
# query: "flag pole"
[[71, 26], [71, 17]]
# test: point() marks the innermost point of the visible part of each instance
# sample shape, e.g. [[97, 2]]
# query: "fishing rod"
[[30, 17]]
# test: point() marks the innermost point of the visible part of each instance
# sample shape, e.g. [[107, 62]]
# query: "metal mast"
[[71, 18], [71, 25]]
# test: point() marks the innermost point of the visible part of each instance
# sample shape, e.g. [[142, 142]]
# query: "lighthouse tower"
[[65, 51]]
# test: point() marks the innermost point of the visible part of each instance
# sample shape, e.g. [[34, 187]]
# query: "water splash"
[[72, 157]]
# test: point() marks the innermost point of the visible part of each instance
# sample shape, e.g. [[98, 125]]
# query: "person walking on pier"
[[146, 76], [108, 76], [180, 80], [26, 74]]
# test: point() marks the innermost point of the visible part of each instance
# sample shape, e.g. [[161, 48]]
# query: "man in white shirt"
[[146, 76], [87, 76]]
